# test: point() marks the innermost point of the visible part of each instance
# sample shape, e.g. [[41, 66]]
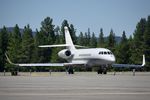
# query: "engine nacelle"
[[65, 54]]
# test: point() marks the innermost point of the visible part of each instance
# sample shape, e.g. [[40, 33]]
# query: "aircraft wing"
[[48, 64], [130, 65], [126, 65], [40, 64], [43, 64]]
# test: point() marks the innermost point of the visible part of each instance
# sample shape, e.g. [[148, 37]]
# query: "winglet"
[[143, 63], [9, 60]]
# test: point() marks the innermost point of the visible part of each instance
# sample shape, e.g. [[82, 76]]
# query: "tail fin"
[[68, 39], [69, 44]]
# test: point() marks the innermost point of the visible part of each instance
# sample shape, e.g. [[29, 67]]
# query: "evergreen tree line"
[[22, 47]]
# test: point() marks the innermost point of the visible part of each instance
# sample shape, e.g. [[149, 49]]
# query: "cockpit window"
[[105, 52], [101, 52]]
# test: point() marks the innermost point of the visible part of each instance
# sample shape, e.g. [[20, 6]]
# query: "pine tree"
[[73, 34], [64, 23], [93, 42], [130, 43], [27, 45], [40, 55], [147, 43], [57, 35], [47, 38], [81, 39], [101, 39], [43, 53], [48, 29], [124, 38], [138, 44], [54, 56], [122, 51], [88, 37], [14, 45], [14, 48], [85, 39], [3, 47], [36, 48], [111, 41]]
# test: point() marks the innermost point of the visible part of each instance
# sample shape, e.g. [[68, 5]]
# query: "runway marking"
[[69, 88], [73, 94]]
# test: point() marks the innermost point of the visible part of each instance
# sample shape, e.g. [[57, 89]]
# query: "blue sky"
[[118, 15]]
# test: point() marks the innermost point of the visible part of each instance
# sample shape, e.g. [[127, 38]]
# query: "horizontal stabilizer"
[[59, 45]]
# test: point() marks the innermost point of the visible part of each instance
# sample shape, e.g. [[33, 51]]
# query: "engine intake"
[[68, 53], [65, 54]]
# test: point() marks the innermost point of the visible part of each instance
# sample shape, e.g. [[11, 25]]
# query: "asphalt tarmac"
[[76, 87]]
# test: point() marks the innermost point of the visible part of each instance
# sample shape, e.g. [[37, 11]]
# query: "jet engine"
[[65, 54]]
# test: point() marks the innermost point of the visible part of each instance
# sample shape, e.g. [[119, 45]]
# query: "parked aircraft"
[[87, 57]]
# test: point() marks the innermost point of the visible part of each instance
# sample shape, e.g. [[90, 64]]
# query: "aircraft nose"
[[113, 59]]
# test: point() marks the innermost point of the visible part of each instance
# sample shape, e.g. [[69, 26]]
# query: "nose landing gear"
[[102, 70]]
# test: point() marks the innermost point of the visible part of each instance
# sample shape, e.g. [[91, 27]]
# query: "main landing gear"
[[70, 70], [102, 70]]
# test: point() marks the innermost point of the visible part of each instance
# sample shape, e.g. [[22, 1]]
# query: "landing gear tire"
[[105, 71], [102, 71], [70, 71]]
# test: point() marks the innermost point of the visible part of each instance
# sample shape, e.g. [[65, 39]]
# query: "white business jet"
[[88, 57]]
